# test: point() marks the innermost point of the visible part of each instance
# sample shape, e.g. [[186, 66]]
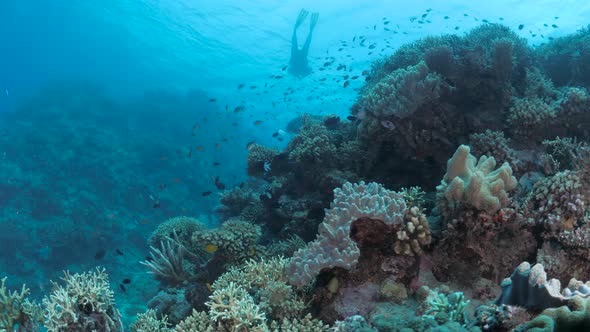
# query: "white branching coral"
[[84, 303], [233, 309]]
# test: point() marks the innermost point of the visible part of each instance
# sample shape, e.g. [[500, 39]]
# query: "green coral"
[[575, 316], [447, 307]]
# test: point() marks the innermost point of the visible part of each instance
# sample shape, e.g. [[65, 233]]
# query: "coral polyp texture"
[[333, 246], [476, 182]]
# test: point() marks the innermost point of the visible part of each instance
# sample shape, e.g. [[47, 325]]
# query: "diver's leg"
[[300, 18], [312, 23]]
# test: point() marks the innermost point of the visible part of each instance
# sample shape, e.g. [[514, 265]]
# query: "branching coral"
[[149, 322], [84, 303], [476, 182], [233, 309], [333, 246], [16, 312]]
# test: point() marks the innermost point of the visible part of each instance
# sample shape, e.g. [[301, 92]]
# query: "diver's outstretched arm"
[[313, 21]]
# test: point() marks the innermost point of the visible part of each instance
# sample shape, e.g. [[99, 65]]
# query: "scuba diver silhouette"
[[298, 65]]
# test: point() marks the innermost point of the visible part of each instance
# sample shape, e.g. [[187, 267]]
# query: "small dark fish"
[[122, 287], [212, 100], [218, 184], [240, 86], [275, 134], [446, 17], [424, 15], [156, 204], [206, 193], [257, 122], [520, 27], [346, 83], [351, 118], [238, 109], [280, 139], [354, 77], [100, 254], [126, 281], [284, 68], [119, 252], [216, 164], [554, 26], [456, 28], [278, 76]]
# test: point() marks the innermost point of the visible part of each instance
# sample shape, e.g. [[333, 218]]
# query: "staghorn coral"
[[266, 281], [84, 303], [305, 324], [476, 183], [17, 313], [149, 322], [333, 246], [198, 321], [231, 308]]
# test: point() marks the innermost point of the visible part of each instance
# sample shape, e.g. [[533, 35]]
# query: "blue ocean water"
[[116, 115]]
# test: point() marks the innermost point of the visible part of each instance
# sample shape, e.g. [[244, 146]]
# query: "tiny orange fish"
[[144, 221], [163, 157], [238, 109], [217, 146], [177, 180], [200, 148], [195, 127], [257, 123]]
